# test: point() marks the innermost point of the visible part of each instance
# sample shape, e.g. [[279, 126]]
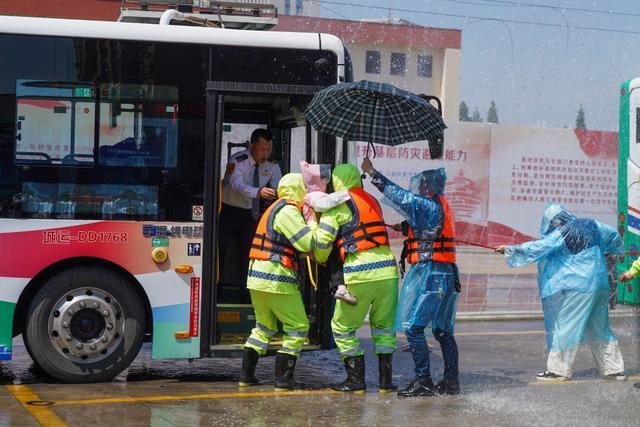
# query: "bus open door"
[[238, 114]]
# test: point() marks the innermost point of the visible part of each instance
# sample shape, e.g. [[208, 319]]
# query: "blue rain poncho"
[[572, 276], [428, 296]]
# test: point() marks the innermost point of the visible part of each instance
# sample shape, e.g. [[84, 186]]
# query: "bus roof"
[[170, 34], [632, 84]]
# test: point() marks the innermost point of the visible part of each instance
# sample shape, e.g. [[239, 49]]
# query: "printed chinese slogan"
[[493, 171]]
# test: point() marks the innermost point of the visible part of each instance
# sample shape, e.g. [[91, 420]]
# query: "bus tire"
[[86, 324]]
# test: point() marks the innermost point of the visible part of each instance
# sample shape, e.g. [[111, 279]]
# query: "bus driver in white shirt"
[[251, 177]]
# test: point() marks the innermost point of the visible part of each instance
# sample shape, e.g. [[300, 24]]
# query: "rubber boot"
[[355, 376], [285, 365], [419, 387], [450, 387], [385, 371], [249, 361]]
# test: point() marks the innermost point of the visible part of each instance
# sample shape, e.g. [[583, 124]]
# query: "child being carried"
[[316, 179]]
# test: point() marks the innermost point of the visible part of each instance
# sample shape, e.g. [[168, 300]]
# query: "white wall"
[[445, 72], [309, 7]]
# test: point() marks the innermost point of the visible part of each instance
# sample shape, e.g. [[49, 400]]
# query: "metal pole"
[[373, 116], [210, 267], [370, 143]]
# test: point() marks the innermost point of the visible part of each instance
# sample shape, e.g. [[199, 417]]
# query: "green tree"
[[463, 112], [492, 114], [581, 123], [476, 116]]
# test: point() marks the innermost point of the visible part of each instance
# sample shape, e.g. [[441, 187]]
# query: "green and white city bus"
[[629, 186]]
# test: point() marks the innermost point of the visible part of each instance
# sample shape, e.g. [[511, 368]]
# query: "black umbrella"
[[377, 113]]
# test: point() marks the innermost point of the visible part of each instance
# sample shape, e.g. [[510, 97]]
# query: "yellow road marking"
[[42, 413], [131, 399], [536, 382]]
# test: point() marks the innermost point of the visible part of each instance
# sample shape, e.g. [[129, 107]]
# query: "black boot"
[[249, 362], [285, 364], [419, 387], [385, 370], [355, 376], [450, 387], [450, 384]]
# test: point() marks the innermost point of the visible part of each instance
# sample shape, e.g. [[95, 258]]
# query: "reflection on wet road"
[[498, 364]]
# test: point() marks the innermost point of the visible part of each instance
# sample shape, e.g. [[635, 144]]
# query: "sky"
[[537, 74]]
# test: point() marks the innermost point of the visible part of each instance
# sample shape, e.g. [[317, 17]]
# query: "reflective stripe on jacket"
[[285, 220], [268, 244], [377, 263], [366, 230]]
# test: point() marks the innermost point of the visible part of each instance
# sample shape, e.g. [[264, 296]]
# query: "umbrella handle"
[[363, 176], [369, 144]]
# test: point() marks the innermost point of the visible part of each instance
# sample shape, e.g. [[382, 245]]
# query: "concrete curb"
[[526, 315], [481, 316], [498, 316]]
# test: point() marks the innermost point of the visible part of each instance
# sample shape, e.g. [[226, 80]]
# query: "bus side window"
[[138, 125], [55, 123]]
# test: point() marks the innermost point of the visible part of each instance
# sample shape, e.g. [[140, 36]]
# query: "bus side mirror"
[[436, 146], [321, 64]]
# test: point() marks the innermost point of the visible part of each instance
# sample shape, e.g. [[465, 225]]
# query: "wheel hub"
[[86, 325]]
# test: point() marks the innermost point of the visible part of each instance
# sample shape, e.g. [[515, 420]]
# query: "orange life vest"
[[268, 244], [429, 246], [366, 230]]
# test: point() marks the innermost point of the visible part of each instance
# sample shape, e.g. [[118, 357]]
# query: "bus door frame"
[[215, 93], [326, 154]]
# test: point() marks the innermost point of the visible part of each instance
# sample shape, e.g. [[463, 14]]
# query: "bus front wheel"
[[86, 324]]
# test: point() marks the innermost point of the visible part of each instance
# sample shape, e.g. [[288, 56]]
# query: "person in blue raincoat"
[[429, 292], [574, 289]]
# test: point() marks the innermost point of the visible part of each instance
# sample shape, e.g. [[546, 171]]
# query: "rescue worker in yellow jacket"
[[282, 233], [370, 272]]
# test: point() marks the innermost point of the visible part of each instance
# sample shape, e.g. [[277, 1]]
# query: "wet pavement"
[[498, 363]]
